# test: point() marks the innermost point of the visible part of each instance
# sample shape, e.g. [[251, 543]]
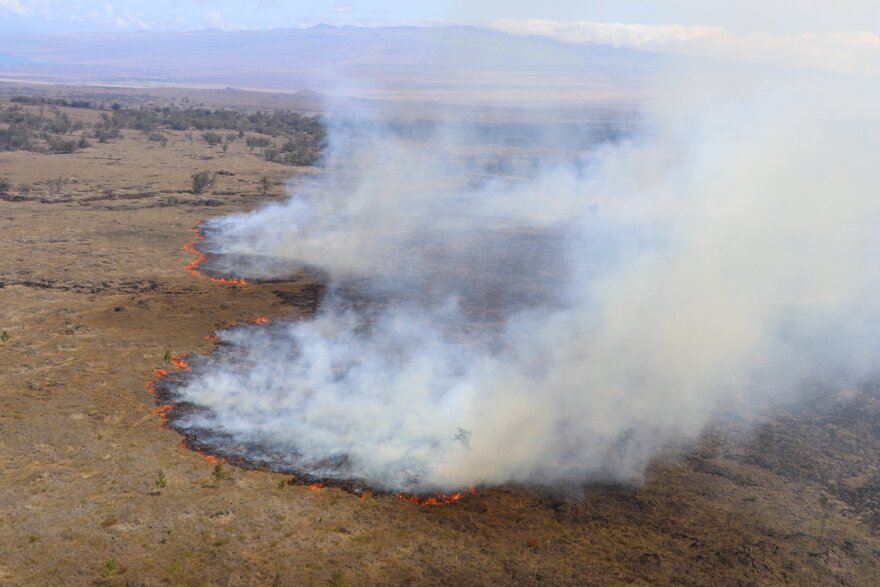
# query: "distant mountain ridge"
[[327, 58]]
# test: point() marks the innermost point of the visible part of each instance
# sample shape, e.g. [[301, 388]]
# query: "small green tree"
[[4, 337], [202, 180]]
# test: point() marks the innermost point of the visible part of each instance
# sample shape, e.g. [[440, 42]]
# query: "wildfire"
[[438, 499], [162, 413], [214, 460], [191, 267], [180, 362]]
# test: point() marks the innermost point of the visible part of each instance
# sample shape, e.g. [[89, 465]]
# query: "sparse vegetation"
[[825, 504], [265, 185], [4, 337], [110, 567], [257, 143], [26, 129], [202, 180], [5, 185], [55, 184], [212, 138], [161, 481], [338, 580], [219, 472]]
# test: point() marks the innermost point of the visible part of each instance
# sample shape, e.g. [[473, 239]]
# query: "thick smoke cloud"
[[570, 320]]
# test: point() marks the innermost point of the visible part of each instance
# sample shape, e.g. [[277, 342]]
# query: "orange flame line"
[[438, 499], [190, 247], [162, 413]]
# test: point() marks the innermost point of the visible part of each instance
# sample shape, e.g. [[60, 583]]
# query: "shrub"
[[265, 185], [212, 138], [62, 146], [110, 567], [5, 185], [162, 481], [220, 472], [202, 180]]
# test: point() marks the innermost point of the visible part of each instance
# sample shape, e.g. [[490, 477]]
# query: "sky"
[[743, 16]]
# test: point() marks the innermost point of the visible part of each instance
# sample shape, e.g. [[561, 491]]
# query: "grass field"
[[92, 296]]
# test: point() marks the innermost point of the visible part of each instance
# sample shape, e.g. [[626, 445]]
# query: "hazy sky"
[[774, 16]]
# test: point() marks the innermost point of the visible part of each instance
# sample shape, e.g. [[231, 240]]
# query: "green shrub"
[[161, 481], [212, 138], [220, 472], [202, 180]]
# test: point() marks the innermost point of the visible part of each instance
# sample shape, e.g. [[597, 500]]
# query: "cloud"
[[846, 52], [343, 8], [16, 7], [215, 19]]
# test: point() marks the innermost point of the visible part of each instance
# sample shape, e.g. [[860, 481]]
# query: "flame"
[[179, 362], [159, 373], [190, 247], [315, 486], [438, 499], [259, 320], [213, 338], [162, 413]]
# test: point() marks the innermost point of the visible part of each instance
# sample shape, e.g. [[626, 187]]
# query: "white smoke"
[[713, 263]]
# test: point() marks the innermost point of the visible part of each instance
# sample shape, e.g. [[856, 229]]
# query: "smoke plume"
[[561, 314]]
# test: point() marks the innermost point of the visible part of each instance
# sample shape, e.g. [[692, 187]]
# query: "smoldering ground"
[[568, 320]]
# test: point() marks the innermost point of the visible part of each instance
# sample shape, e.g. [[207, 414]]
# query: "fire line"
[[179, 361]]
